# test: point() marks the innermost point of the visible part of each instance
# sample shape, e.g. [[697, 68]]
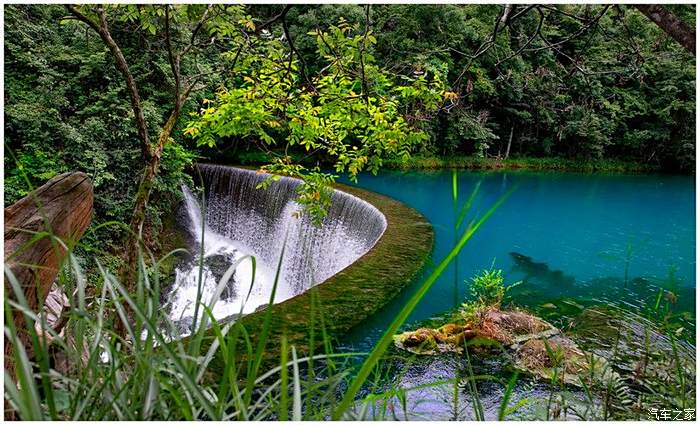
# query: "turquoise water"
[[572, 239]]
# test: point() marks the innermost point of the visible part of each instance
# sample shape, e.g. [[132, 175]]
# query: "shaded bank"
[[467, 162], [522, 163]]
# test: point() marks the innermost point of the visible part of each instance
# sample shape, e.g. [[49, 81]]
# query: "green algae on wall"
[[356, 292]]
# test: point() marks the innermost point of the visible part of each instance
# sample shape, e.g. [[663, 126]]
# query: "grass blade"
[[401, 317], [296, 404], [284, 396], [503, 409]]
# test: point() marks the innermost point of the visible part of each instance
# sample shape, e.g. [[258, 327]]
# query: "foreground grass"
[[521, 163], [146, 374]]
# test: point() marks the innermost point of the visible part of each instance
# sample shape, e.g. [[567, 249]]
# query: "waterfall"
[[241, 220]]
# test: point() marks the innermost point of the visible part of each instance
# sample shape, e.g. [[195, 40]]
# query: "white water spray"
[[241, 220]]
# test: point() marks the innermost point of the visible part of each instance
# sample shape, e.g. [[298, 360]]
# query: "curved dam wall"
[[347, 298], [240, 220]]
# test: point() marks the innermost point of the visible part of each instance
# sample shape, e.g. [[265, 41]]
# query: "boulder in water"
[[218, 265]]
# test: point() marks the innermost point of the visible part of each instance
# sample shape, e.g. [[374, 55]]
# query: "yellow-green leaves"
[[352, 111]]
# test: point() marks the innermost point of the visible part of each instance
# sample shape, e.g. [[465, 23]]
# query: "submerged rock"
[[559, 359]]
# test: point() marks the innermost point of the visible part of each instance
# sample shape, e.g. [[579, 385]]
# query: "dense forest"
[[201, 222], [262, 83]]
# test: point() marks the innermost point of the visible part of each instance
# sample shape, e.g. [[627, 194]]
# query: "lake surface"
[[580, 239]]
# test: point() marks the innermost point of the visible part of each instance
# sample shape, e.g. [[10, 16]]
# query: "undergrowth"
[[89, 370]]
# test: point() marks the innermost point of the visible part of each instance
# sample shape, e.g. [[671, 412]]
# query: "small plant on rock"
[[487, 290]]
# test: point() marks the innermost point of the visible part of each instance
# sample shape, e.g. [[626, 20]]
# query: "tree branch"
[[363, 46], [581, 30], [196, 29], [486, 45], [527, 43], [274, 19], [172, 59], [102, 29], [683, 33], [294, 50]]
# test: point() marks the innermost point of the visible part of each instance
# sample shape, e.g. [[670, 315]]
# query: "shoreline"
[[525, 163]]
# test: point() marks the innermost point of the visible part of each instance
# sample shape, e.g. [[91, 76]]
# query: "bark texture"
[[670, 24], [63, 208]]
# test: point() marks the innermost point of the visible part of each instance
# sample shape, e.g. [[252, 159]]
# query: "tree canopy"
[[328, 89]]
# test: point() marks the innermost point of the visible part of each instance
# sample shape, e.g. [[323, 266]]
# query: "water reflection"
[[662, 299], [539, 271]]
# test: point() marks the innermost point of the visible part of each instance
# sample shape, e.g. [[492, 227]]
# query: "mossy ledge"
[[353, 294]]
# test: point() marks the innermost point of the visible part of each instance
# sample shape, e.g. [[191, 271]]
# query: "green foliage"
[[63, 111], [629, 94], [465, 125], [352, 112], [362, 87], [488, 288], [67, 108], [175, 159]]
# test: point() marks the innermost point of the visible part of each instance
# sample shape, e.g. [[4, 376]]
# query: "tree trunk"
[[129, 274], [61, 207], [670, 24], [152, 154], [510, 140]]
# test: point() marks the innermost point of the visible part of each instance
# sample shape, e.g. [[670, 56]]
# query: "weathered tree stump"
[[61, 208]]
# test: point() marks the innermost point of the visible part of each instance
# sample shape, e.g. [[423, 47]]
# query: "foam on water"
[[241, 220]]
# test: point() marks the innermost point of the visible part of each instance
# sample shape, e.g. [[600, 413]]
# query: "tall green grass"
[[147, 374]]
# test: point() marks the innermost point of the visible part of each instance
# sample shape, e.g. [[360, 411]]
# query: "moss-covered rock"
[[425, 341], [533, 345]]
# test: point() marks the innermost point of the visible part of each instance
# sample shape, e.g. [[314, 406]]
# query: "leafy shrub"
[[487, 290]]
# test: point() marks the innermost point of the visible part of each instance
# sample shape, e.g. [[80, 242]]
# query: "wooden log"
[[62, 208]]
